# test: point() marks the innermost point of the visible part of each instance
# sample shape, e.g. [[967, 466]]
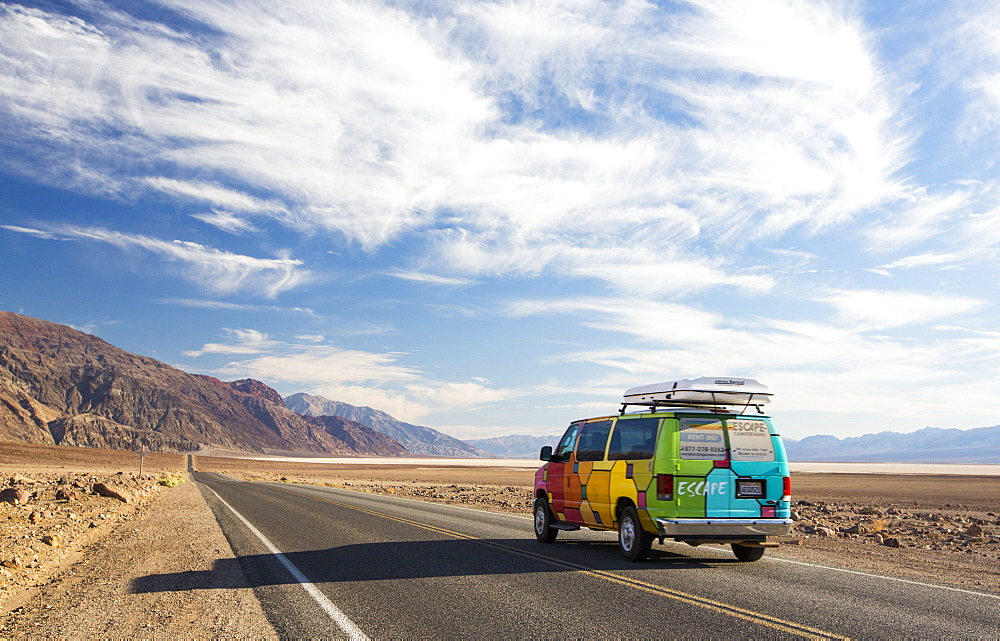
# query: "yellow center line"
[[782, 625]]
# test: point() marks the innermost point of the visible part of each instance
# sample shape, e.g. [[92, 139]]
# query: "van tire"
[[544, 531], [633, 541], [747, 553]]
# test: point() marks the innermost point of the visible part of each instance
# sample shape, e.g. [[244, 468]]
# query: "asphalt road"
[[328, 562]]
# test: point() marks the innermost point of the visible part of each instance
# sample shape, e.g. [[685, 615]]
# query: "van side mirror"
[[546, 453]]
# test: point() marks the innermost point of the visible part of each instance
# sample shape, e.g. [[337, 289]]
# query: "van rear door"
[[702, 477], [758, 466], [727, 467]]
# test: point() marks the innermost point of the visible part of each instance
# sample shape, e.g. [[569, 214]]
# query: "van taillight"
[[786, 488], [664, 487]]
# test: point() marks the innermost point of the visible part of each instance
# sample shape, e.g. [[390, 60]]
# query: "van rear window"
[[701, 439], [633, 439]]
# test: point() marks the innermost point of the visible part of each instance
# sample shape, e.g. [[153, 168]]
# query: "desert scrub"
[[171, 480]]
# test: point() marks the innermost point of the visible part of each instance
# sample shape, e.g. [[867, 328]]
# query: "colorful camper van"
[[699, 463]]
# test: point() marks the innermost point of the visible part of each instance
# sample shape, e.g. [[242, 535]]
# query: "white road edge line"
[[345, 624], [877, 576], [890, 578]]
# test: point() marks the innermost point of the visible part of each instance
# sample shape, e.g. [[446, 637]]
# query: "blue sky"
[[494, 217]]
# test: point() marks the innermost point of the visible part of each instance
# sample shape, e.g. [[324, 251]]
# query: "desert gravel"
[[93, 597]]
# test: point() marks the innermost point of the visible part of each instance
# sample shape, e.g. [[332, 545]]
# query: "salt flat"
[[803, 467], [896, 468]]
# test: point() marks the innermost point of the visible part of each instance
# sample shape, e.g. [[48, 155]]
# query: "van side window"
[[633, 439], [593, 440], [568, 442]]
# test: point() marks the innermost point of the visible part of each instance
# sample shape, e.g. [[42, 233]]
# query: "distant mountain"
[[929, 445], [61, 386], [515, 445], [415, 438]]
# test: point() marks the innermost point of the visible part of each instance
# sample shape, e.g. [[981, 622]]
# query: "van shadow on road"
[[409, 560]]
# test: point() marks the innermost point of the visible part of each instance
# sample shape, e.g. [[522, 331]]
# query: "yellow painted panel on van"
[[587, 513], [641, 478], [599, 494], [621, 486]]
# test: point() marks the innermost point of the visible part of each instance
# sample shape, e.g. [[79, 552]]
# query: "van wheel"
[[544, 531], [632, 539], [747, 552]]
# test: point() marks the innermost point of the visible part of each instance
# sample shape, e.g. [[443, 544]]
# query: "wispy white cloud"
[[91, 326], [245, 341], [921, 260], [215, 195], [238, 307], [37, 233], [431, 279], [814, 129], [211, 269], [877, 310], [226, 221], [792, 260], [353, 376], [979, 235], [926, 216], [977, 72], [638, 271], [759, 39]]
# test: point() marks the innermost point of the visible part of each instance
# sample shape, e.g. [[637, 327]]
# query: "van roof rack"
[[712, 393]]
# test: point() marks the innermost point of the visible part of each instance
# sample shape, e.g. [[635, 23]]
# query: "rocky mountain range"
[[515, 445], [929, 445], [415, 438], [62, 386]]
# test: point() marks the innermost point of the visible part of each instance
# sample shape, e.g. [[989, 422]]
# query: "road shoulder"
[[178, 552]]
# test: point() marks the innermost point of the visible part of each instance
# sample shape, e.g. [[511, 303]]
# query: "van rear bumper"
[[724, 527]]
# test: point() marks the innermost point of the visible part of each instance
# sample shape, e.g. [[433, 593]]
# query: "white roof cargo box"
[[707, 390]]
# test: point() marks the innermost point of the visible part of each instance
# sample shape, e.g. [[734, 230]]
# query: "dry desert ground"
[[90, 523]]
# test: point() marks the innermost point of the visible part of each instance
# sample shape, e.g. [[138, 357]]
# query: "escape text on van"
[[701, 488]]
